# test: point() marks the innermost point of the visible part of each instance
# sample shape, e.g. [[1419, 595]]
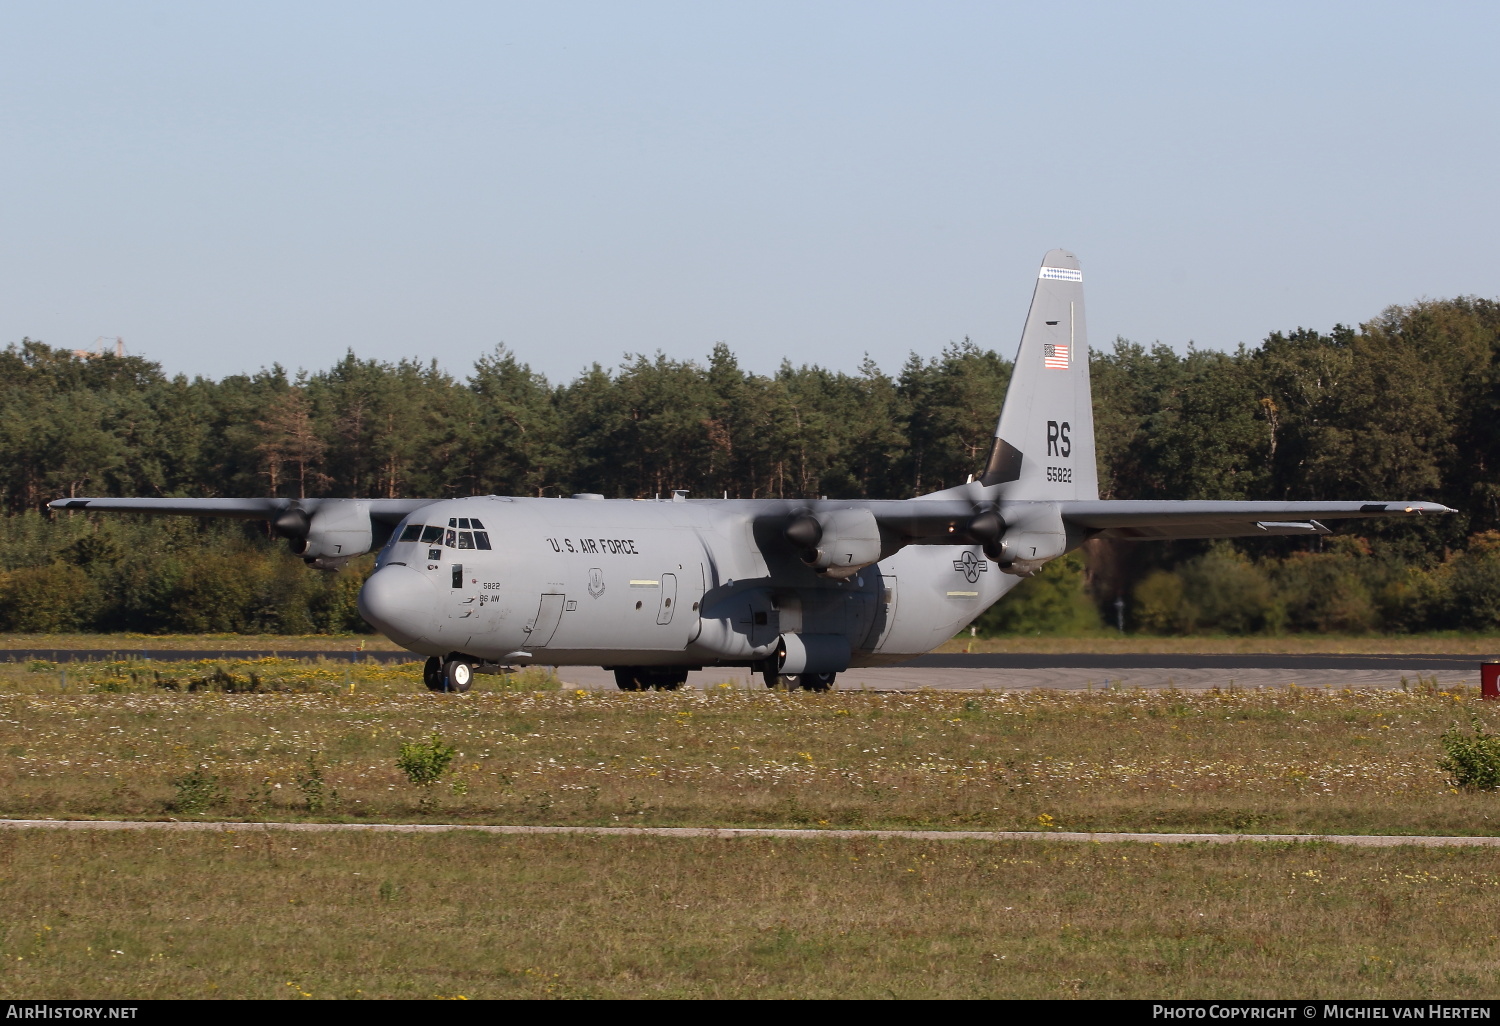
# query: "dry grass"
[[211, 642], [260, 915], [1287, 644], [324, 746]]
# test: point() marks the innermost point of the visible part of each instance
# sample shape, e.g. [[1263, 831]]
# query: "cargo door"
[[544, 624]]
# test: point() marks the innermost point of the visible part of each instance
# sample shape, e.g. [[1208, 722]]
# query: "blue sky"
[[228, 185]]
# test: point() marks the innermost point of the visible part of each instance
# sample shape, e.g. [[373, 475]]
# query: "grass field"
[[265, 915], [1448, 643], [1483, 645], [260, 914], [320, 741], [205, 642]]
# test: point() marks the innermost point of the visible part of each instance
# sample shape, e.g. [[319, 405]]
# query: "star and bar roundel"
[[971, 566]]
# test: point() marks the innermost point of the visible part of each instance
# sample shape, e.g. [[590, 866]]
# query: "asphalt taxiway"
[[1023, 671]]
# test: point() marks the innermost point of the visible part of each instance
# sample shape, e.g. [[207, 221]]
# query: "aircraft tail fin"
[[1044, 443]]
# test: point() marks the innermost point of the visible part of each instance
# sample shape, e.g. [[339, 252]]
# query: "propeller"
[[293, 523], [804, 531], [986, 527]]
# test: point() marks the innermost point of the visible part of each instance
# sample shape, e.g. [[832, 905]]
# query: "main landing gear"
[[648, 678], [451, 675], [800, 681]]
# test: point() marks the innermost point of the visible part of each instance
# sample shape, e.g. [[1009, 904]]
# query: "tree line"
[[1403, 407]]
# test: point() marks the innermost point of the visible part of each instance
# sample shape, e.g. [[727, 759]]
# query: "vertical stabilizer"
[[1044, 443]]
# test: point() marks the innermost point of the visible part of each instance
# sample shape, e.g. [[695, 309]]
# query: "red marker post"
[[1489, 680]]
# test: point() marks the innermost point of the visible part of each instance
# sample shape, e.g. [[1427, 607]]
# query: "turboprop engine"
[[839, 542], [1033, 534], [334, 533]]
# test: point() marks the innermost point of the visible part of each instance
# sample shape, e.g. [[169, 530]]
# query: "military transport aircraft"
[[797, 589]]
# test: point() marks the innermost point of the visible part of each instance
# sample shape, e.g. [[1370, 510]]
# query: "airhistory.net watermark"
[[48, 1010]]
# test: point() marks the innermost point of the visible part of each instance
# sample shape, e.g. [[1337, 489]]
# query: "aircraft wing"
[[388, 511], [952, 521], [1147, 519]]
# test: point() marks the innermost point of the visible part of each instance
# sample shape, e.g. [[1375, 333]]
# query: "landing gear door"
[[668, 598], [544, 624], [885, 611]]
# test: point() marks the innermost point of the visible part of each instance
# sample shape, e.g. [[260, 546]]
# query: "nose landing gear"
[[452, 675]]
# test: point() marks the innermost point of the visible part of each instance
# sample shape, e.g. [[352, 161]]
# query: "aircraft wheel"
[[668, 680], [629, 678], [782, 681], [432, 673], [457, 676], [817, 681]]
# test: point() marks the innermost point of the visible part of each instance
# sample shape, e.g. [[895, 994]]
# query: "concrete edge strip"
[[1354, 840]]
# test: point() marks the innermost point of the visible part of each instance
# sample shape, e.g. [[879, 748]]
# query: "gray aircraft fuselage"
[[654, 583], [799, 589]]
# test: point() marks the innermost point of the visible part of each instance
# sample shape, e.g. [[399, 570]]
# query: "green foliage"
[[1347, 588], [1159, 606], [316, 793], [164, 574], [196, 792], [55, 597], [1472, 758], [1053, 600], [425, 762], [1220, 590], [1403, 406]]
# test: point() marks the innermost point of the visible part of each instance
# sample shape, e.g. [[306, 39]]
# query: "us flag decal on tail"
[[1055, 357]]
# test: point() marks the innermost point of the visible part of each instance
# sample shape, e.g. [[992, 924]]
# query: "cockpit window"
[[481, 540], [413, 532], [463, 522], [452, 540], [465, 540], [474, 523], [453, 521], [432, 533]]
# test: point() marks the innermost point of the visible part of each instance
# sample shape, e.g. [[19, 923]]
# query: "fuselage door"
[[463, 602], [544, 625], [668, 598]]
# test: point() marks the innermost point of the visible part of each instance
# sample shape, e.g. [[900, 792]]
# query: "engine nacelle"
[[839, 543], [1034, 535], [812, 653], [336, 532]]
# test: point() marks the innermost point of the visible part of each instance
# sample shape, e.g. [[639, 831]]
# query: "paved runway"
[[728, 833], [965, 672]]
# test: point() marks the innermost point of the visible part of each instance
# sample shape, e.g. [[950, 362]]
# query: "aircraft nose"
[[398, 602]]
